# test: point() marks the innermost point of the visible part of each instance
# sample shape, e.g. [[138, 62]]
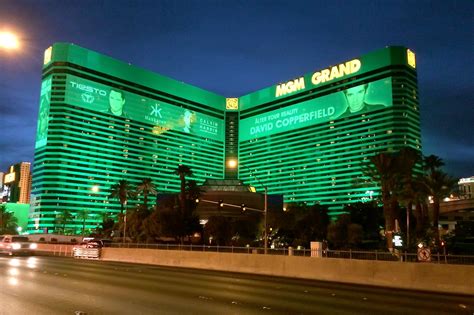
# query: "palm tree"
[[64, 218], [83, 216], [8, 222], [382, 170], [122, 192], [146, 187], [183, 171], [193, 191], [405, 184], [432, 163], [439, 185]]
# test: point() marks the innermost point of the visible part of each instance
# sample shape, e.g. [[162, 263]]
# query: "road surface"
[[58, 285]]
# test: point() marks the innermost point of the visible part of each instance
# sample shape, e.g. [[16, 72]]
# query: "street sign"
[[424, 254]]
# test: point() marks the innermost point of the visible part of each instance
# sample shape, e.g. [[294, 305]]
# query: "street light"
[[9, 40], [232, 164]]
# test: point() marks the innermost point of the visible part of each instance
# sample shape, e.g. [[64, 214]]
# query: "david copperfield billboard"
[[163, 116], [355, 100]]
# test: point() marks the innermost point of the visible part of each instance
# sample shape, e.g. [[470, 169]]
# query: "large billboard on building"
[[118, 102], [356, 100]]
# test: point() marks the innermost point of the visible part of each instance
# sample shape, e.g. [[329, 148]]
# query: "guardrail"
[[345, 254]]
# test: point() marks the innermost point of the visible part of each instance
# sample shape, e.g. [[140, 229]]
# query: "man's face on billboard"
[[355, 97], [116, 101]]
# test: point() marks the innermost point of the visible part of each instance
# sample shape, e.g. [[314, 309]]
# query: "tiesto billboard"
[[102, 98], [355, 100]]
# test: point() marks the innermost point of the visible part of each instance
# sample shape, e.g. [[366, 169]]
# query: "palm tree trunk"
[[389, 221], [183, 191], [419, 220], [436, 202]]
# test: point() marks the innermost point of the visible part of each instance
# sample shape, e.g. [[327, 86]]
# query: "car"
[[88, 249], [16, 245]]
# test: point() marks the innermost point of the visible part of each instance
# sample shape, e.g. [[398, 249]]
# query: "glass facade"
[[102, 120]]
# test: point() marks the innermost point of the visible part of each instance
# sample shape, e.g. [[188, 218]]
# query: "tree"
[[439, 185], [122, 192], [146, 187], [183, 171], [193, 191], [220, 229], [343, 233], [311, 224], [83, 216], [369, 216], [63, 219], [8, 222], [106, 226], [135, 220], [152, 225], [393, 172], [382, 170], [432, 163]]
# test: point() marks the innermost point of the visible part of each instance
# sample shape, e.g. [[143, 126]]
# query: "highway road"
[[58, 285]]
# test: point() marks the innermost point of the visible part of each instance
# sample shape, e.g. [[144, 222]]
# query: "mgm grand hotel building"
[[102, 120]]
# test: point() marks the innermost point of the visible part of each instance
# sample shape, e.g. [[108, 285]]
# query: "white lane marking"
[[204, 297]]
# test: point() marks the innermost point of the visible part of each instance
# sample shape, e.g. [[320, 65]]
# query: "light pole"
[[233, 163]]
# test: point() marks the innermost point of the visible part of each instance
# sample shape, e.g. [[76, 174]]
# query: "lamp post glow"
[[9, 40], [233, 164], [95, 188]]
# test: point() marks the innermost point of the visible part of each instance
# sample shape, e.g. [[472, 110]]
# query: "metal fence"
[[400, 256]]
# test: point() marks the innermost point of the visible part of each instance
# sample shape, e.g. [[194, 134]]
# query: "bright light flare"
[[16, 245], [14, 262], [9, 40], [31, 262], [232, 163]]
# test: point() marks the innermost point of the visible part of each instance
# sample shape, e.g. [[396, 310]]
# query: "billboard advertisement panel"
[[43, 115], [356, 100], [164, 116]]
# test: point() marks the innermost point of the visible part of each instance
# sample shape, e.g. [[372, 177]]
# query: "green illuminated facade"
[[102, 120]]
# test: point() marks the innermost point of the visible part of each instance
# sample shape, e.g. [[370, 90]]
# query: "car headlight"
[[33, 246], [16, 246]]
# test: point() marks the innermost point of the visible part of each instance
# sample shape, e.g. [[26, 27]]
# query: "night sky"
[[236, 47]]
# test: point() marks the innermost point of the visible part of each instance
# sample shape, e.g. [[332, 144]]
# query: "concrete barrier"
[[414, 276], [55, 249]]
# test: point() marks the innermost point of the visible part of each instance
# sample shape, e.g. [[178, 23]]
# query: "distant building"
[[2, 193], [17, 183], [466, 188]]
